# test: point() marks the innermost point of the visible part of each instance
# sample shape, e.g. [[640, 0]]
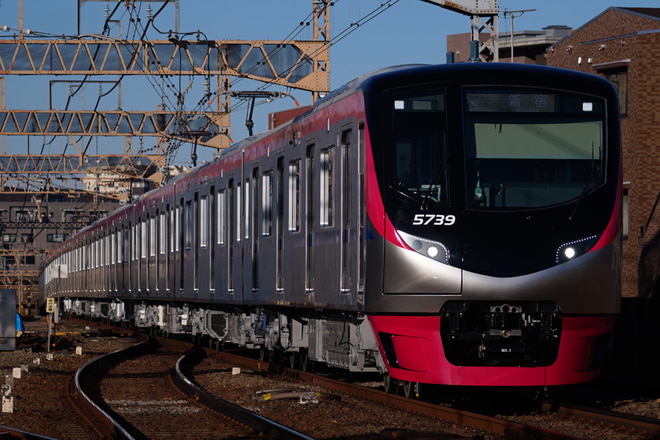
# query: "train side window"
[[221, 216], [238, 199], [267, 204], [294, 196], [163, 233], [174, 225], [144, 237], [152, 236], [204, 222], [134, 240], [327, 187], [189, 225], [247, 206]]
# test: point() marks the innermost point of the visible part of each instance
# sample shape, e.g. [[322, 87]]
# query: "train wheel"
[[390, 384], [411, 390]]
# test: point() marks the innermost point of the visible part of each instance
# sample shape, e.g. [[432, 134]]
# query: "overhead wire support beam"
[[287, 63], [90, 163], [168, 124]]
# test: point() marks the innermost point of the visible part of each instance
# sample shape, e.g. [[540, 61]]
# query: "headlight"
[[573, 249], [428, 248]]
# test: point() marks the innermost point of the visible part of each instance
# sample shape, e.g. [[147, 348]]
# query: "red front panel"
[[418, 355]]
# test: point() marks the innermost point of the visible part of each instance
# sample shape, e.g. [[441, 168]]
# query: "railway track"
[[138, 392], [640, 424], [555, 421], [130, 394]]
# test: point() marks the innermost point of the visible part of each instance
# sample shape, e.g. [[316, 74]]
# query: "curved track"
[[128, 394]]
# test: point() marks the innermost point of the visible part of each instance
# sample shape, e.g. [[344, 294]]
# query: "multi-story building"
[[522, 46], [32, 224]]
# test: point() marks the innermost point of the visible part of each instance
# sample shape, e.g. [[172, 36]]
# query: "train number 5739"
[[434, 219]]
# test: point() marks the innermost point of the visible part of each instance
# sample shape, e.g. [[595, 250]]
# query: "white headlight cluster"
[[570, 250], [429, 248]]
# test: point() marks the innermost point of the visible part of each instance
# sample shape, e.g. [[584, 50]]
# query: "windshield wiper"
[[405, 192]]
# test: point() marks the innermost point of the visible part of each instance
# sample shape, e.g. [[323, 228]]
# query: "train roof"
[[455, 70], [489, 71]]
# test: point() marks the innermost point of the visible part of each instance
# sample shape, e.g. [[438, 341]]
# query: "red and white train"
[[455, 224]]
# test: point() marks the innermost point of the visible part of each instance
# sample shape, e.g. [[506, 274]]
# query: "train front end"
[[493, 194]]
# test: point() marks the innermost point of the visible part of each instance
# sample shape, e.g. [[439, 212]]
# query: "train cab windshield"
[[522, 148], [420, 145], [531, 148]]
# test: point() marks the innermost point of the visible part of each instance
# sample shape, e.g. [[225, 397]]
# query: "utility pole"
[[515, 14]]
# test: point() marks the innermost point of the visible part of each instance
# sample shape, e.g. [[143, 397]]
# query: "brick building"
[[620, 44]]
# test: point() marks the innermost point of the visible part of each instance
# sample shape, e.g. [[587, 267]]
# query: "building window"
[[619, 77], [24, 215], [617, 73], [56, 238]]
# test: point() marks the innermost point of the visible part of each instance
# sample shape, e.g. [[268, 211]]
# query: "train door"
[[327, 235], [213, 240], [221, 245], [134, 264], [162, 251], [178, 262], [267, 247], [152, 253], [310, 221], [352, 216], [170, 283], [279, 227], [293, 240], [202, 250], [251, 235], [235, 227], [189, 269], [126, 275], [143, 240]]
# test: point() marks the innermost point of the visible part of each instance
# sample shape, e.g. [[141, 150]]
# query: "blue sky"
[[408, 31]]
